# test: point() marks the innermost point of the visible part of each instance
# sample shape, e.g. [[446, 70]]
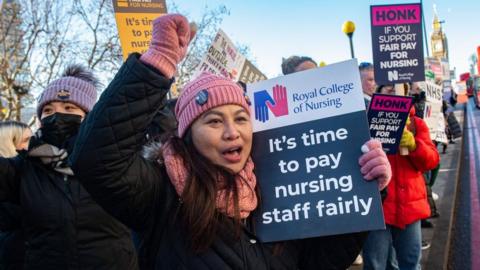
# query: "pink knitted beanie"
[[203, 93]]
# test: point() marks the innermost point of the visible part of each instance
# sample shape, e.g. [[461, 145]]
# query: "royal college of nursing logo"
[[278, 105]]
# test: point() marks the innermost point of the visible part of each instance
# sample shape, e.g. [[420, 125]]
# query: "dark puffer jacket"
[[62, 225], [139, 193], [12, 243]]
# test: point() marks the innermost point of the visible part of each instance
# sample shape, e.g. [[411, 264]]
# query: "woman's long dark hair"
[[198, 210]]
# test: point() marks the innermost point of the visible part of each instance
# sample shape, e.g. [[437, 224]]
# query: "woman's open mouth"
[[233, 155]]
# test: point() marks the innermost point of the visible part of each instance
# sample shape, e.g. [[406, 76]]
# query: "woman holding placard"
[[191, 203]]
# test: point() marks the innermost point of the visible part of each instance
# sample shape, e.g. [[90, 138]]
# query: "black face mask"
[[58, 128]]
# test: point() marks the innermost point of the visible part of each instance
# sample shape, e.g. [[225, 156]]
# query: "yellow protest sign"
[[134, 22]]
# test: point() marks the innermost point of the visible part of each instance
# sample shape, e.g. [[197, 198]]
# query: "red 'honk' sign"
[[397, 43], [387, 117]]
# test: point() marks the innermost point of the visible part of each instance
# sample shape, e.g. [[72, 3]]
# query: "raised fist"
[[170, 38]]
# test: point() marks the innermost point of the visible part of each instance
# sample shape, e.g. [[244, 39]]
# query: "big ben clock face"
[[438, 46]]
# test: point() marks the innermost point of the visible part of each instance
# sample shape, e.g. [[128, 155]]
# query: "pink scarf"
[[245, 180]]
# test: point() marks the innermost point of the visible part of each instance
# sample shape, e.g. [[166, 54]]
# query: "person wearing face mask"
[[192, 201], [63, 226], [14, 137]]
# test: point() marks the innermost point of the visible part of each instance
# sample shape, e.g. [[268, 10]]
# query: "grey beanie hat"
[[77, 85]]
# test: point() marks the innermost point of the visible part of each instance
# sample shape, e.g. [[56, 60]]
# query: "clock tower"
[[438, 39]]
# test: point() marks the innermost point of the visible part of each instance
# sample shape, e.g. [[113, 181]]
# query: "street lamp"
[[348, 28]]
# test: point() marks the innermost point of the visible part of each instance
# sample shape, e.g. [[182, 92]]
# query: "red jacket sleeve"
[[425, 157]]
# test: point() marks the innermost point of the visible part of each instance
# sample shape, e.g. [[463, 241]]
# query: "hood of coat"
[[152, 151]]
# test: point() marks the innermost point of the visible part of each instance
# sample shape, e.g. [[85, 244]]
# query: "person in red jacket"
[[406, 202]]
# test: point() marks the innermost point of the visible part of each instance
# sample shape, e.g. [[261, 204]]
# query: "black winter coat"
[[139, 193], [12, 242], [62, 225]]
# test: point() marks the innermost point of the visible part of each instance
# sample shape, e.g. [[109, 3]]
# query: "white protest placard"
[[433, 115], [308, 130], [223, 58]]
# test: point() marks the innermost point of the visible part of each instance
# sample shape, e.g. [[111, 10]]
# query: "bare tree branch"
[[39, 38]]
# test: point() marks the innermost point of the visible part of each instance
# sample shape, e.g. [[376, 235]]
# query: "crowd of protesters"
[[136, 181]]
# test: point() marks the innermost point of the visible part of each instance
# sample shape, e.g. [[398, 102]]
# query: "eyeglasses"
[[364, 65]]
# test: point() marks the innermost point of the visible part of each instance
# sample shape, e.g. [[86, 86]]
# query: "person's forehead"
[[367, 73], [305, 65]]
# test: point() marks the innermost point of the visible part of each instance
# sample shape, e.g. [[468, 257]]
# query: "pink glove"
[[374, 163], [168, 46]]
